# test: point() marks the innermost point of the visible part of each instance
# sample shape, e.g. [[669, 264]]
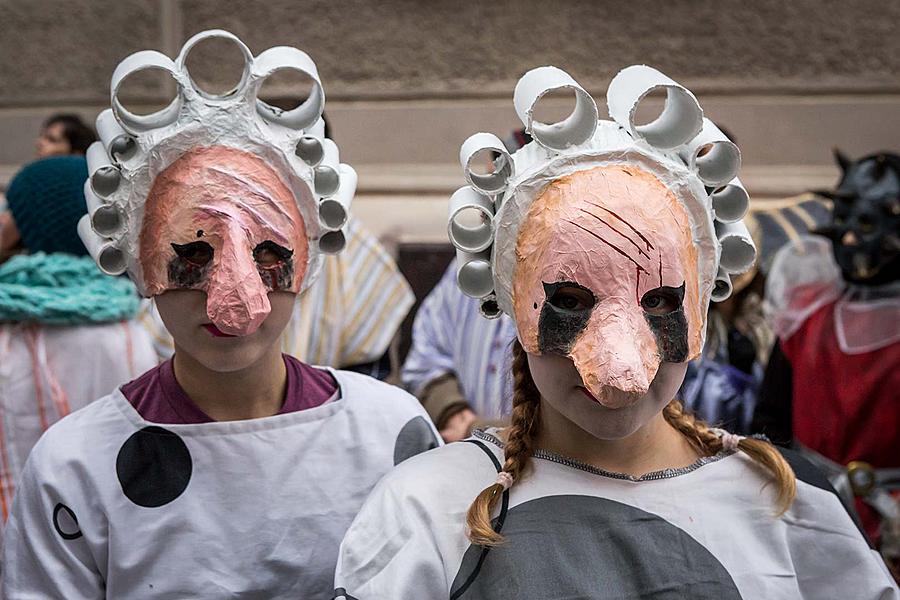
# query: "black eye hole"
[[663, 300], [270, 254], [196, 253], [570, 297]]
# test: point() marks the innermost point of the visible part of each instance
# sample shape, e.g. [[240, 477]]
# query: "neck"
[[250, 393], [654, 447]]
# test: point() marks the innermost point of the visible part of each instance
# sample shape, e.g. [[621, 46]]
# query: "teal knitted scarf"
[[62, 289]]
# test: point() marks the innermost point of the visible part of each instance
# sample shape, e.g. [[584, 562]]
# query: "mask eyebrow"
[[633, 243], [253, 189], [613, 246], [226, 215]]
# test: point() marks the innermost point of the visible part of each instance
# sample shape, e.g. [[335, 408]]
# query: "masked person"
[[831, 384], [230, 470], [67, 331], [605, 251]]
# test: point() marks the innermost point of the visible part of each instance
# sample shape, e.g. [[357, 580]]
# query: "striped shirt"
[[451, 336], [347, 317]]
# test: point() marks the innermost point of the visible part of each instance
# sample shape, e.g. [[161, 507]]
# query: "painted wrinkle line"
[[613, 246], [251, 188], [633, 243], [629, 225]]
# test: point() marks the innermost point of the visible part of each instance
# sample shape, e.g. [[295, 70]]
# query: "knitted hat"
[[46, 199]]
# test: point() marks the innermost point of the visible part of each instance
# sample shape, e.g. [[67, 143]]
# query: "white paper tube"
[[680, 120], [309, 150], [575, 129], [140, 61], [104, 176], [332, 242], [489, 308], [110, 259], [334, 211], [106, 220], [722, 287], [118, 143], [326, 177], [317, 129], [730, 202], [714, 157], [467, 203], [478, 149], [284, 57], [473, 273], [738, 250], [181, 61]]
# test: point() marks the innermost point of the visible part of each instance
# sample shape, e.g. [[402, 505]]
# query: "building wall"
[[408, 80]]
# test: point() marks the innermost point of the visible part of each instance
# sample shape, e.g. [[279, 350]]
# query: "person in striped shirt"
[[459, 362]]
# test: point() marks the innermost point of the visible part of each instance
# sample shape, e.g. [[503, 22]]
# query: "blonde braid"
[[763, 453], [517, 450]]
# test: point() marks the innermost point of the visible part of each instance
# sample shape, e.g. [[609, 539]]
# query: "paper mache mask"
[[220, 193], [604, 240]]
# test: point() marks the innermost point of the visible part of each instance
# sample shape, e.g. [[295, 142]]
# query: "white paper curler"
[[473, 274], [118, 143], [476, 236], [575, 129], [332, 242], [326, 177], [730, 202], [181, 61], [489, 308], [104, 176], [476, 150], [284, 57], [714, 157], [141, 61], [738, 250], [680, 120], [110, 259], [334, 211], [106, 218], [309, 150], [722, 287]]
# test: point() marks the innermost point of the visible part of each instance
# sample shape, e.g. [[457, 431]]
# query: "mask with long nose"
[[220, 220], [606, 274]]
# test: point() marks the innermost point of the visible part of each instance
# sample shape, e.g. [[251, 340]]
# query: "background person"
[[67, 331]]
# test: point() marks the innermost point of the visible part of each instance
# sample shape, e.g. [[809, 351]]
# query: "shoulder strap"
[[498, 523]]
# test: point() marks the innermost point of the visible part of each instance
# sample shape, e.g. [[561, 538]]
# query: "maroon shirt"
[[158, 397]]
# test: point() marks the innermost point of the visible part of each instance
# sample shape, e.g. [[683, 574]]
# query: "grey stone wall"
[[63, 51], [408, 80]]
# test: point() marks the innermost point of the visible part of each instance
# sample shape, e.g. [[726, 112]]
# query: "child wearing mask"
[[606, 249], [231, 469]]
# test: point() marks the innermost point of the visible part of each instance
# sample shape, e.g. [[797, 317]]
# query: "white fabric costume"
[[42, 379], [250, 509], [572, 531]]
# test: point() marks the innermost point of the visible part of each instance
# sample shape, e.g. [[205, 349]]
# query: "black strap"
[[498, 525]]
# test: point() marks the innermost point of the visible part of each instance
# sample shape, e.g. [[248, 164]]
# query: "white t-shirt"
[[572, 531], [112, 506]]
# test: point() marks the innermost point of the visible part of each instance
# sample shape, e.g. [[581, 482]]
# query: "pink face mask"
[[220, 220], [606, 274]]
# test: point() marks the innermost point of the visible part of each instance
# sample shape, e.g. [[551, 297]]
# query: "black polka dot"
[[65, 522], [592, 548], [154, 467], [415, 437]]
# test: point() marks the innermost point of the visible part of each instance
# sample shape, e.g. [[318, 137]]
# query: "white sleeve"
[[390, 552], [45, 554], [831, 557]]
